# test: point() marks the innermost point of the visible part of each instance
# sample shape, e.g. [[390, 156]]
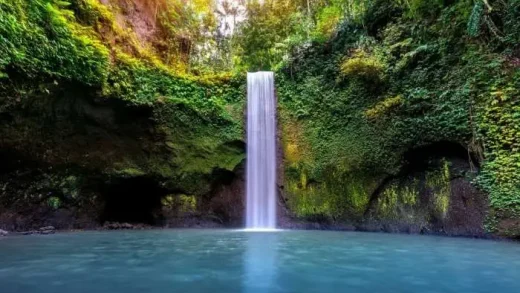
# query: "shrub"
[[362, 65]]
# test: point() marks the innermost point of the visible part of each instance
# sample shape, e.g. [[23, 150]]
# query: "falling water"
[[261, 153]]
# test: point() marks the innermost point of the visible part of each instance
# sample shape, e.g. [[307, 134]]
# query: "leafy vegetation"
[[46, 45], [360, 83], [396, 76]]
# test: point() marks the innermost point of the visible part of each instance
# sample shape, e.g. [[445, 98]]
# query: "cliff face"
[[98, 127], [404, 121]]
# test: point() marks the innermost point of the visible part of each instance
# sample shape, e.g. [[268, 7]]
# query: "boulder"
[[30, 232], [47, 230], [3, 233]]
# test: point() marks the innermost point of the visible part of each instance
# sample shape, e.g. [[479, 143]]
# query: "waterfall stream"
[[261, 151]]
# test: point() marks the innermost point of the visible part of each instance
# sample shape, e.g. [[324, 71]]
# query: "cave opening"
[[133, 200], [416, 162], [421, 158]]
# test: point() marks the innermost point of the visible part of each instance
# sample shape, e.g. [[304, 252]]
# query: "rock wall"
[[433, 193], [75, 160], [98, 126], [391, 83]]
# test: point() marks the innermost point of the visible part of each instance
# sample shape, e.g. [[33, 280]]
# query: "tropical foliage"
[[360, 83], [395, 76]]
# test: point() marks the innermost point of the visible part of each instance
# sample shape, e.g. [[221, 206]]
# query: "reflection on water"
[[260, 262]]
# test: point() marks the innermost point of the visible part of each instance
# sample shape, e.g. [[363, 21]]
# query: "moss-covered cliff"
[[90, 115], [405, 117]]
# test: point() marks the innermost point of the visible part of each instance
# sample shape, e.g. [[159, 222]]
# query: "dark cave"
[[133, 200], [421, 158]]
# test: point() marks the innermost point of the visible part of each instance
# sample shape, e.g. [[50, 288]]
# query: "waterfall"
[[261, 151]]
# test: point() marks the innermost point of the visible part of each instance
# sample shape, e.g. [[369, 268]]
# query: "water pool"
[[238, 261]]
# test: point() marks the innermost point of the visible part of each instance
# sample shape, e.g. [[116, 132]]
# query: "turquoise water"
[[234, 261]]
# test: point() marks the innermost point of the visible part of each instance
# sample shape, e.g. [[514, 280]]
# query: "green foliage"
[[360, 82], [188, 30], [422, 8], [384, 107], [263, 40], [54, 202], [499, 122], [326, 200], [434, 84], [362, 65], [396, 197], [43, 187], [439, 183], [41, 37], [327, 21], [181, 203], [512, 22], [196, 121]]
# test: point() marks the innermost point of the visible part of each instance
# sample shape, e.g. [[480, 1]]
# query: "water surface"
[[235, 261]]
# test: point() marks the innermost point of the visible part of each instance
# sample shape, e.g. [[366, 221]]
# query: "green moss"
[[363, 65], [41, 37], [439, 182], [187, 203], [54, 202], [181, 203], [310, 202], [387, 203], [396, 198], [410, 193], [384, 107], [335, 198], [130, 172]]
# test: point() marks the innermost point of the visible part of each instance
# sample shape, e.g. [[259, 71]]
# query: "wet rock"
[[3, 233], [30, 232], [118, 226], [43, 231], [127, 226], [47, 230]]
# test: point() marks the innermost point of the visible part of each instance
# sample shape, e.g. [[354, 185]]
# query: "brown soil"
[[141, 15]]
